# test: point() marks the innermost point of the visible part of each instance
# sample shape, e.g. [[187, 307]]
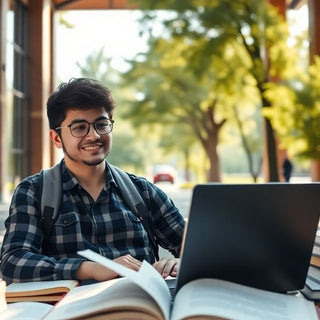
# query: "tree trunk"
[[207, 130], [254, 174], [212, 153], [214, 169], [270, 153]]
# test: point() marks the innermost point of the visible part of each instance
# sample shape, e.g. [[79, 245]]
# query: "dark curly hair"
[[78, 93]]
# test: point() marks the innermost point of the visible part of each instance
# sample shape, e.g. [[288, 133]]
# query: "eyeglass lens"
[[81, 129]]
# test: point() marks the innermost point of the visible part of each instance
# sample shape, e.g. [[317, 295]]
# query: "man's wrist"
[[85, 270], [89, 270]]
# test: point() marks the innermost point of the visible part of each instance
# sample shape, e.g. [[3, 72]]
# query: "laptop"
[[259, 235]]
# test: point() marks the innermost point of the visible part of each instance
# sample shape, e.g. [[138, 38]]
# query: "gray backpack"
[[51, 200]]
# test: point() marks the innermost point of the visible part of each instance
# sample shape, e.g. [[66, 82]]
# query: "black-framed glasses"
[[80, 128]]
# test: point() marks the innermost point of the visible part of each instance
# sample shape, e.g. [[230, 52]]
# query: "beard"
[[86, 162], [92, 163]]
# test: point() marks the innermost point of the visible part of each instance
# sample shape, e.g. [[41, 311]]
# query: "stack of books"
[[312, 286], [31, 300]]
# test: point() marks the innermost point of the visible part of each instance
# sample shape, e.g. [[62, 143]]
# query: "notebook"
[[260, 235]]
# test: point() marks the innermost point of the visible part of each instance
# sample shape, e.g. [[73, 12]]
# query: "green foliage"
[[296, 112], [97, 66], [63, 21], [209, 65], [199, 68], [125, 153], [173, 94]]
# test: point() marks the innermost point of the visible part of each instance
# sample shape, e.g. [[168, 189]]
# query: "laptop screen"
[[260, 235]]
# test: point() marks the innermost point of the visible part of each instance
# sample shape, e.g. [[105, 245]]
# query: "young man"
[[93, 214]]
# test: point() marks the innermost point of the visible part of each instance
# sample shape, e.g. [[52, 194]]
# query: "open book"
[[144, 295], [49, 291]]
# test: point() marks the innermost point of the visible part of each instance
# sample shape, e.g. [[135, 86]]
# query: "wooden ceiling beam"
[[92, 4], [125, 4]]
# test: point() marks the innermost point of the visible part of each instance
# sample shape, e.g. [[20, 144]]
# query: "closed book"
[[316, 251], [315, 261], [315, 258], [311, 290], [314, 274], [49, 291]]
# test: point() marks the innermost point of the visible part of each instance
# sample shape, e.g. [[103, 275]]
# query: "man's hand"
[[167, 267], [91, 270]]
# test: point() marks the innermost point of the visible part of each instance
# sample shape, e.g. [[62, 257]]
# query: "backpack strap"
[[136, 203], [51, 199]]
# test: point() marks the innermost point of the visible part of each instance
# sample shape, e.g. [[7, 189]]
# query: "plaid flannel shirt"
[[106, 226]]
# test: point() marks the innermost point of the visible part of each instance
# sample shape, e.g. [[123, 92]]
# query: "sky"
[[117, 32], [114, 30], [299, 18]]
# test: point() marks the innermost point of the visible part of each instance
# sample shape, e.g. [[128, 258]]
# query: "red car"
[[164, 172]]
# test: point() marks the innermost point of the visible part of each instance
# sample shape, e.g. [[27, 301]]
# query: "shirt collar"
[[109, 177], [69, 181]]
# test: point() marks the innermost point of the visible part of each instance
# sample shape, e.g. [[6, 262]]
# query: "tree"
[[171, 93], [296, 112], [251, 142], [97, 66], [254, 25]]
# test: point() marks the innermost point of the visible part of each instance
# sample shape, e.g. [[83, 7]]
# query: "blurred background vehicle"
[[164, 172]]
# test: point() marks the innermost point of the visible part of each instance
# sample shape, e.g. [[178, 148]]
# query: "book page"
[[233, 301], [106, 299], [3, 302], [26, 311], [39, 287], [147, 278]]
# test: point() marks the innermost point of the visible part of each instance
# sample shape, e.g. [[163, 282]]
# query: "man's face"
[[91, 149]]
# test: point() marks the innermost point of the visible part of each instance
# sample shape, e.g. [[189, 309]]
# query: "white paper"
[[26, 311], [233, 301], [147, 278]]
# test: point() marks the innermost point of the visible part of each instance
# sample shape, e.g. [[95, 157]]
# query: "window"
[[17, 103]]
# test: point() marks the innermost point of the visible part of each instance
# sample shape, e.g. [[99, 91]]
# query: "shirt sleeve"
[[21, 253], [167, 223]]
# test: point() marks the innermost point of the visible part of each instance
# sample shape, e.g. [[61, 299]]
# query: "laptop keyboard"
[[171, 283]]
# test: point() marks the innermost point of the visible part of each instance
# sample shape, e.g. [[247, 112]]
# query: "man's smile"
[[92, 147]]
